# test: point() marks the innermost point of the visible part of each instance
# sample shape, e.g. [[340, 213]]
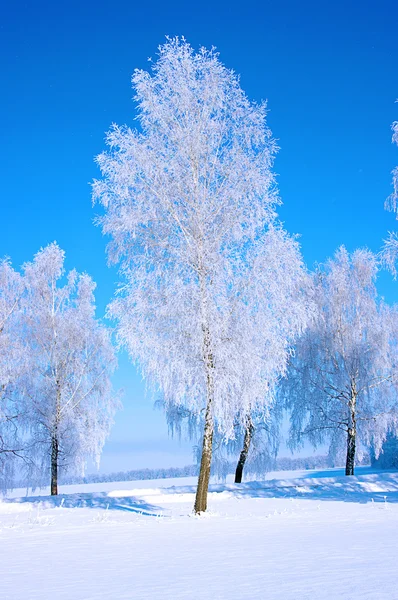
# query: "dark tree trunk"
[[245, 450], [351, 443], [55, 442], [54, 465], [351, 433]]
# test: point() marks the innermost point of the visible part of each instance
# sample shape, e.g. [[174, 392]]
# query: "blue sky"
[[329, 71]]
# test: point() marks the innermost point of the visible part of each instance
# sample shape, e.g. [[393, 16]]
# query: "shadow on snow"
[[366, 486], [97, 500]]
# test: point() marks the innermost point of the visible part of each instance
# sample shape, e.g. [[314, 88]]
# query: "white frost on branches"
[[213, 285]]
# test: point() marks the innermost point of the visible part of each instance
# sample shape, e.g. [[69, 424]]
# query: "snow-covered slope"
[[320, 536]]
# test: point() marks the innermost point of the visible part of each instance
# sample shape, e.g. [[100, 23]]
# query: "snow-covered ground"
[[304, 535]]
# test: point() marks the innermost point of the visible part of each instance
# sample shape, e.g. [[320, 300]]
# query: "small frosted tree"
[[189, 200], [283, 306], [259, 453], [342, 379], [258, 444], [12, 368], [389, 253], [68, 395]]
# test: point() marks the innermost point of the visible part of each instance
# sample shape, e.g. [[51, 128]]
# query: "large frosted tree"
[[189, 203], [341, 387], [69, 403]]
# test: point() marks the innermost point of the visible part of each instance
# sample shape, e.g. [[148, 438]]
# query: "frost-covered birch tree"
[[68, 396], [341, 387], [12, 368], [189, 201]]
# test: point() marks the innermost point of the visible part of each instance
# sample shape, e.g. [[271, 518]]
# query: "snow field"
[[318, 537]]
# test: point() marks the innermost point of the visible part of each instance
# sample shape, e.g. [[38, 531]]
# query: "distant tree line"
[[281, 464]]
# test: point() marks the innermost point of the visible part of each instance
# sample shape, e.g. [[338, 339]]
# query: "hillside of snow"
[[295, 536]]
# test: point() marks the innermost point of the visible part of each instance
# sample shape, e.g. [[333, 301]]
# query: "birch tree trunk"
[[207, 446], [55, 443], [245, 450], [54, 464], [351, 433], [205, 463]]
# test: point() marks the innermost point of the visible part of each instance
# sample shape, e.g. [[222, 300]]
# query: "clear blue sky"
[[329, 71]]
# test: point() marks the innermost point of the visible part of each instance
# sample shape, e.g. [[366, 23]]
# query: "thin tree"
[[69, 399], [188, 201], [342, 379], [259, 453], [247, 438], [286, 306]]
